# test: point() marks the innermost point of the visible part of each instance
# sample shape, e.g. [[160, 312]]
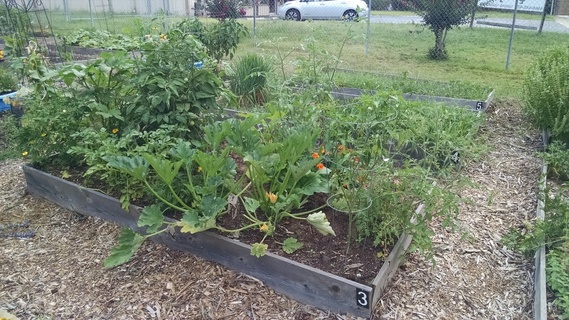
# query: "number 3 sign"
[[362, 298]]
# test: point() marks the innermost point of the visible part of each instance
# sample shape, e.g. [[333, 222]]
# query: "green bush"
[[557, 158], [47, 125], [546, 93]]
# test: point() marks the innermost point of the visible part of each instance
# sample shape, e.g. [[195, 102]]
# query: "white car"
[[323, 9]]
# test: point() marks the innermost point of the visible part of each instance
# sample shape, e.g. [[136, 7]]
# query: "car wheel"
[[350, 15], [292, 14]]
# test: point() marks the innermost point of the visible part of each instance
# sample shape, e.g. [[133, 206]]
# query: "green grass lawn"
[[476, 55]]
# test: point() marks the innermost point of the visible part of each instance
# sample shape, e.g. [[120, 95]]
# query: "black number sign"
[[455, 157], [362, 298], [479, 105]]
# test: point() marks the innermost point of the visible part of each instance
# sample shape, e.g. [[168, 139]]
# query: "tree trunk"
[[439, 51]]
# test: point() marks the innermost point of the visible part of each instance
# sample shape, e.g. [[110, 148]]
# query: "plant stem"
[[168, 203]]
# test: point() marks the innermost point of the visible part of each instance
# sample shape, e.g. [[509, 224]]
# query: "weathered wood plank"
[[79, 199], [394, 260], [297, 281], [540, 280]]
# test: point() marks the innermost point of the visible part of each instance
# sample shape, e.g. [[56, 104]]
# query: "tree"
[[441, 16]]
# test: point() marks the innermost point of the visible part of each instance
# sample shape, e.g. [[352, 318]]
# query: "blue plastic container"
[[3, 105]]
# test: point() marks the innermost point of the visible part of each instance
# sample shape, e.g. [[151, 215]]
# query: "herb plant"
[[546, 97]]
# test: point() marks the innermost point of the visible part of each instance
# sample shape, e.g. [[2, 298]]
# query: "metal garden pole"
[[66, 10], [512, 35], [91, 14], [255, 7], [368, 25]]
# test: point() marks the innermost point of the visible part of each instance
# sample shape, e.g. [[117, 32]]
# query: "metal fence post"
[[91, 14], [512, 35]]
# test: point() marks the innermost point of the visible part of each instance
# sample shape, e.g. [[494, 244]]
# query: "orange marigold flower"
[[115, 130], [264, 227], [315, 155], [272, 197], [320, 166]]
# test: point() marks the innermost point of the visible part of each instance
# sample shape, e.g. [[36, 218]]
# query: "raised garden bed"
[[475, 105], [297, 281]]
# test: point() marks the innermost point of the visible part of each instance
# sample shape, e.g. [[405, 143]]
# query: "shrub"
[[46, 131], [546, 93]]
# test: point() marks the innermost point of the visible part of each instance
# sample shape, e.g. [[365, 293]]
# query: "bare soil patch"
[[58, 273]]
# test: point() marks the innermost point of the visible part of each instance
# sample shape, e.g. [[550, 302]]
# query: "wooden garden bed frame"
[[297, 281], [540, 281], [474, 105]]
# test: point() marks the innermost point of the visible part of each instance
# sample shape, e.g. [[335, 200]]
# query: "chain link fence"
[[376, 21]]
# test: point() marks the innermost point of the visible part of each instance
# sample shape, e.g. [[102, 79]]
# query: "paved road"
[[560, 25]]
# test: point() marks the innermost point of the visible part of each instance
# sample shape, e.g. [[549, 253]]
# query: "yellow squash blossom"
[[264, 227], [272, 197]]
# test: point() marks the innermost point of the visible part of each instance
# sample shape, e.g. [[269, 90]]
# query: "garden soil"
[[57, 272]]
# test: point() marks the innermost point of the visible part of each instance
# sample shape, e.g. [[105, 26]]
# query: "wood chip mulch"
[[57, 273]]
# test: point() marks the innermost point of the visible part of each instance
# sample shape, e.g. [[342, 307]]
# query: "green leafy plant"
[[7, 81], [281, 171], [9, 128], [98, 145], [208, 180], [546, 97], [101, 39], [35, 71], [553, 231], [248, 79], [397, 194], [170, 89], [47, 128], [557, 159], [103, 85]]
